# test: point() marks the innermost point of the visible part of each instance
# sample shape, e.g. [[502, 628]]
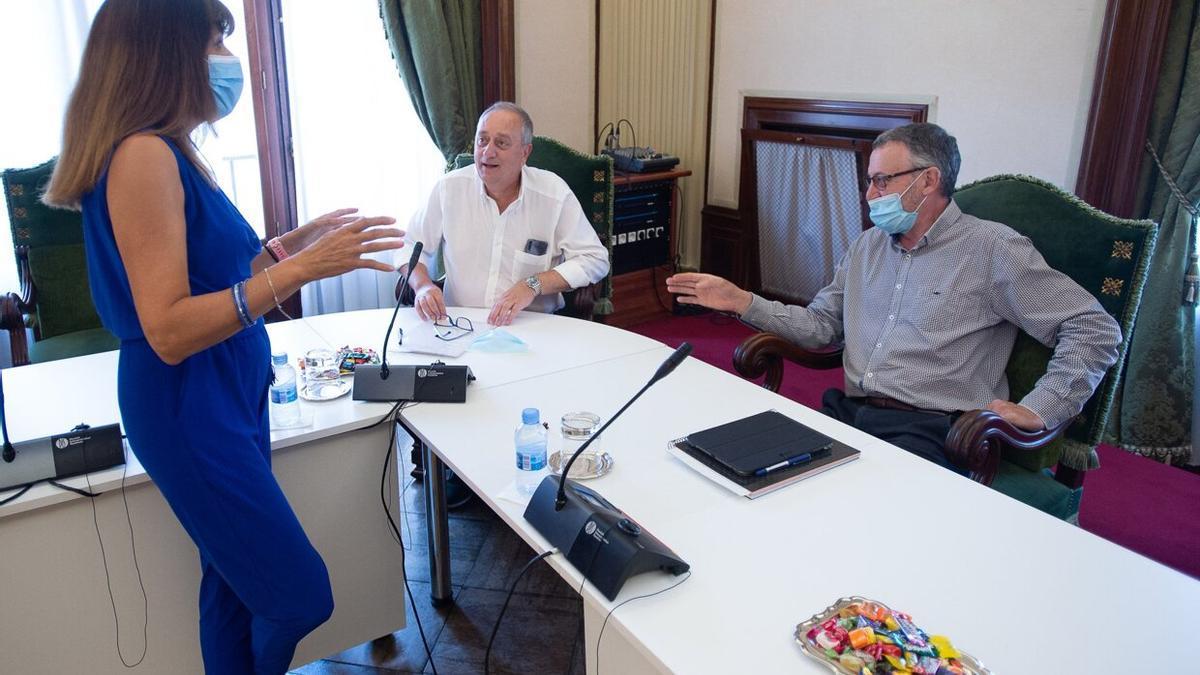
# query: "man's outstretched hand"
[[709, 291]]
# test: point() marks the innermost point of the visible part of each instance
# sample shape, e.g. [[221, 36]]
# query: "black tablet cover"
[[744, 446]]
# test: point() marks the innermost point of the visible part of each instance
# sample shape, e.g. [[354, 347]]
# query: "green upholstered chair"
[[55, 300], [590, 177], [1106, 255]]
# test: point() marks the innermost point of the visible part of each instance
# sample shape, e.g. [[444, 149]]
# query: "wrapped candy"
[[861, 637], [864, 636]]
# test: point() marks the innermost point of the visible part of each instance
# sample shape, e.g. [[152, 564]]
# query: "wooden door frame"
[[1127, 69]]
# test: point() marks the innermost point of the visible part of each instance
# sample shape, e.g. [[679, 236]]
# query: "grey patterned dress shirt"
[[934, 327]]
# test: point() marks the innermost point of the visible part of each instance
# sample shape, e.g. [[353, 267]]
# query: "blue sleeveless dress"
[[201, 431]]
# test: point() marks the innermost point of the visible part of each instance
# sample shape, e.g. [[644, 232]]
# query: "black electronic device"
[[640, 160], [81, 450], [434, 383], [600, 540], [642, 226], [375, 383]]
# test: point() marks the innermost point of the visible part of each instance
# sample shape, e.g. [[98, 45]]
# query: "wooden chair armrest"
[[763, 354], [974, 442], [581, 302], [12, 319], [28, 296]]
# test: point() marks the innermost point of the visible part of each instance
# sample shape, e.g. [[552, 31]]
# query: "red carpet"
[[1132, 501]]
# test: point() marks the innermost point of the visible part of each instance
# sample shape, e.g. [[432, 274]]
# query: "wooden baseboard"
[[634, 297]]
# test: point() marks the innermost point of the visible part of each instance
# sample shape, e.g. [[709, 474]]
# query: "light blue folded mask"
[[499, 341]]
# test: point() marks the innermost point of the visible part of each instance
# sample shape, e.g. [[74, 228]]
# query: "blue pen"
[[791, 461]]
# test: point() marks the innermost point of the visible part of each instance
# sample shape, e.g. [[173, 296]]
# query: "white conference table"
[[1022, 591], [52, 583], [1016, 588]]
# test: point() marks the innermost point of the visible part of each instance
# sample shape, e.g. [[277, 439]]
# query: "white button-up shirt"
[[485, 251]]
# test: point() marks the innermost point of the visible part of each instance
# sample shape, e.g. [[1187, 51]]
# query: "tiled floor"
[[539, 629]]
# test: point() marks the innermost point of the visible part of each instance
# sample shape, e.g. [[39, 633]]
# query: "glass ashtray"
[[324, 390], [587, 466]]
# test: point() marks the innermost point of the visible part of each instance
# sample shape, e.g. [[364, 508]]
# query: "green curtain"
[[1155, 416], [437, 48]]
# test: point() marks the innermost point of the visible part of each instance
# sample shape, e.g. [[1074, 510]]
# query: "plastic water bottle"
[[530, 439], [285, 406]]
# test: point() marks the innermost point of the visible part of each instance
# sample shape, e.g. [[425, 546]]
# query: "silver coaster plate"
[[589, 465], [324, 391]]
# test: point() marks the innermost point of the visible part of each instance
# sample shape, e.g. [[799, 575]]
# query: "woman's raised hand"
[[342, 247], [316, 228]]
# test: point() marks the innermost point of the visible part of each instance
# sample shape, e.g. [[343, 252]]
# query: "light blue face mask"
[[888, 213], [225, 78], [499, 341]]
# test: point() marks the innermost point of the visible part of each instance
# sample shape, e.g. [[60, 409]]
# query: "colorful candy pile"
[[349, 357], [865, 637]]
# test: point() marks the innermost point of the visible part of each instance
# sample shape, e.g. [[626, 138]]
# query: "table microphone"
[[10, 453], [599, 539], [412, 262], [665, 369]]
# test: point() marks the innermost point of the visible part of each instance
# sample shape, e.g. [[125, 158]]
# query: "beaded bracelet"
[[239, 303], [278, 252], [278, 305]]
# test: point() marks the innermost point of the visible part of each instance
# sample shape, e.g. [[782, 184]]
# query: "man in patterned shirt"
[[927, 305]]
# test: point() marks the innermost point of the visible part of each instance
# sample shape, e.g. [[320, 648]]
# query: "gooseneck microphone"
[[604, 543], [665, 369], [10, 453], [412, 262]]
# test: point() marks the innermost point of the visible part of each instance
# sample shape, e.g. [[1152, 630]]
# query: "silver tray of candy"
[[587, 466], [857, 635]]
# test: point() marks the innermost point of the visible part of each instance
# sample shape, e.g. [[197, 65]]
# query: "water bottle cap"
[[279, 359], [531, 416]]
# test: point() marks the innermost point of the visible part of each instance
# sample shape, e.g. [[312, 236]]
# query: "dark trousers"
[[921, 433]]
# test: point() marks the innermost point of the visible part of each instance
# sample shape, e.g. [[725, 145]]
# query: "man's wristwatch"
[[534, 284]]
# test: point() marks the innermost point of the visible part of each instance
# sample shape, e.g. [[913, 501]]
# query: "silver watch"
[[535, 284]]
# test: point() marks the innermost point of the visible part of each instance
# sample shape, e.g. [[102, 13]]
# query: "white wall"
[[555, 54], [1012, 78]]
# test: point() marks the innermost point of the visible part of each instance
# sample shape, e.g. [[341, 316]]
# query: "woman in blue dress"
[[181, 278]]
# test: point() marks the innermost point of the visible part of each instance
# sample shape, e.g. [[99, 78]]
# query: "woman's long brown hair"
[[144, 69]]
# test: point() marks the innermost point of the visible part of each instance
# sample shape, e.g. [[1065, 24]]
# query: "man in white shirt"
[[514, 237]]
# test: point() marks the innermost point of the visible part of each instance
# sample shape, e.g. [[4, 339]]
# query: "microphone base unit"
[[600, 540], [81, 450], [434, 383]]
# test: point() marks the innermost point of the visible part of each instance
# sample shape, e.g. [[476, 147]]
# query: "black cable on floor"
[[622, 603], [578, 639], [487, 656], [394, 416]]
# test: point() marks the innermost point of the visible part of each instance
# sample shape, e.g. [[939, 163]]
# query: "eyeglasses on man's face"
[[451, 328], [881, 180]]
